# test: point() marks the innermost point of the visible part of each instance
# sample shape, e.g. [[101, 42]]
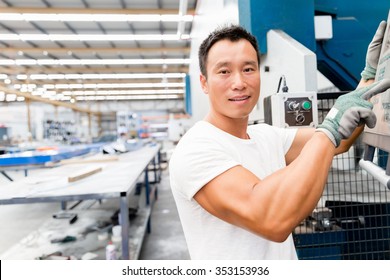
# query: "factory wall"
[[15, 116]]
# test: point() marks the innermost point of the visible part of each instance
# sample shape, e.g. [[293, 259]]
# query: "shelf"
[[38, 244]]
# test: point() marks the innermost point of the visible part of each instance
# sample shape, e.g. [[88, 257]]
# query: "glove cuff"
[[330, 136], [368, 73]]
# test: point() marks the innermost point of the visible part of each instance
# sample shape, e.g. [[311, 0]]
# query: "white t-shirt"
[[203, 153]]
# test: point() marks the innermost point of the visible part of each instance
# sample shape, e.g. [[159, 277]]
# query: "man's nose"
[[238, 82]]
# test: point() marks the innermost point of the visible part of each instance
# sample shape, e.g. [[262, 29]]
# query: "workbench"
[[117, 179]]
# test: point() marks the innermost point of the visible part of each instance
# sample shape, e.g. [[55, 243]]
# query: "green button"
[[306, 105]]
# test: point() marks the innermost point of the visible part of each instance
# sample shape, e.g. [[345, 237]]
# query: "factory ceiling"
[[94, 50]]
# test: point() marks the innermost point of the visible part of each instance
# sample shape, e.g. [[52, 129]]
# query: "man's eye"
[[223, 71], [248, 70]]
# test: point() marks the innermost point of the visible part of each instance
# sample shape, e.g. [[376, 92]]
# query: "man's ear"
[[203, 83]]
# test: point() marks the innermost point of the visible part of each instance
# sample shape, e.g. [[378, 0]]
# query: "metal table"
[[116, 180]]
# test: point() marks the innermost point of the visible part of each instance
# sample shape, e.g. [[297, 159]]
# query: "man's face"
[[233, 79]]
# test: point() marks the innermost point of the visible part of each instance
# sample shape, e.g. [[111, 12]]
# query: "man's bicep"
[[301, 137], [227, 195]]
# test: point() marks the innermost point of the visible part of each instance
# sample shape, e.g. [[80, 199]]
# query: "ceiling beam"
[[64, 10], [48, 101]]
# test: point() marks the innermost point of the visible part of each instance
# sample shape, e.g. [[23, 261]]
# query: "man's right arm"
[[272, 207]]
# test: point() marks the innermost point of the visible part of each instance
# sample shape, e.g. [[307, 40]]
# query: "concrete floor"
[[164, 242]]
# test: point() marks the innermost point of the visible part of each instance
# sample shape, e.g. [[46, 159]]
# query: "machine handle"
[[375, 171]]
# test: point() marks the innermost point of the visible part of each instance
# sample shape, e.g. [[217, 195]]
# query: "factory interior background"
[[95, 93]]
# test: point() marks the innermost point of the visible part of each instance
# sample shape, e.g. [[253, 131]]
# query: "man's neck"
[[235, 127]]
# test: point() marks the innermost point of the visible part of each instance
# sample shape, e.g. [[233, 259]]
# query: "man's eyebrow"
[[251, 62], [222, 64], [225, 63]]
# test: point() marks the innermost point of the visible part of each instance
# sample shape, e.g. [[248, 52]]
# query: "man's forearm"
[[294, 191], [347, 143]]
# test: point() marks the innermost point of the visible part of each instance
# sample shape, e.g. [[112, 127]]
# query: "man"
[[240, 191]]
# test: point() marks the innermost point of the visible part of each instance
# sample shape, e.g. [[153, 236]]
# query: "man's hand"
[[350, 111], [373, 53]]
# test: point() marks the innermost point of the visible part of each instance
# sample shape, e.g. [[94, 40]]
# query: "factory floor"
[[21, 222]]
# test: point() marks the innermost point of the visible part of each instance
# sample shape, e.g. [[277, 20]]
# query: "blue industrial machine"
[[341, 58]]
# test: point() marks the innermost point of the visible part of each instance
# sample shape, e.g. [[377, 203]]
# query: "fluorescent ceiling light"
[[101, 76], [29, 86], [95, 17], [156, 61], [136, 97], [123, 92], [116, 85], [92, 37], [21, 77], [10, 97]]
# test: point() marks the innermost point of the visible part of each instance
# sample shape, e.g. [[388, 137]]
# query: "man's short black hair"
[[233, 33]]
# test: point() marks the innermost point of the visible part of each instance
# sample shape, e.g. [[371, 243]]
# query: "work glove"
[[351, 110], [373, 52]]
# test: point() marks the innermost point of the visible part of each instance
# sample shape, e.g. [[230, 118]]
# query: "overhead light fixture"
[[123, 92], [93, 37], [101, 76], [96, 17], [10, 97], [156, 61], [135, 97], [116, 85]]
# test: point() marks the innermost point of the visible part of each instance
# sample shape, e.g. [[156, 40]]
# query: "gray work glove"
[[350, 111], [373, 52]]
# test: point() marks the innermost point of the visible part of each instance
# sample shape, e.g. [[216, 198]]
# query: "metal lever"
[[375, 171]]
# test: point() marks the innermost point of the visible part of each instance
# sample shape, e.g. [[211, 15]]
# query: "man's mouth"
[[239, 98]]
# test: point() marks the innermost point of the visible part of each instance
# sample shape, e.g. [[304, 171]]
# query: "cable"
[[280, 82], [285, 87]]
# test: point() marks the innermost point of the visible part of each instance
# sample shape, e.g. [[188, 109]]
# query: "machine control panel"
[[291, 109], [297, 112]]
